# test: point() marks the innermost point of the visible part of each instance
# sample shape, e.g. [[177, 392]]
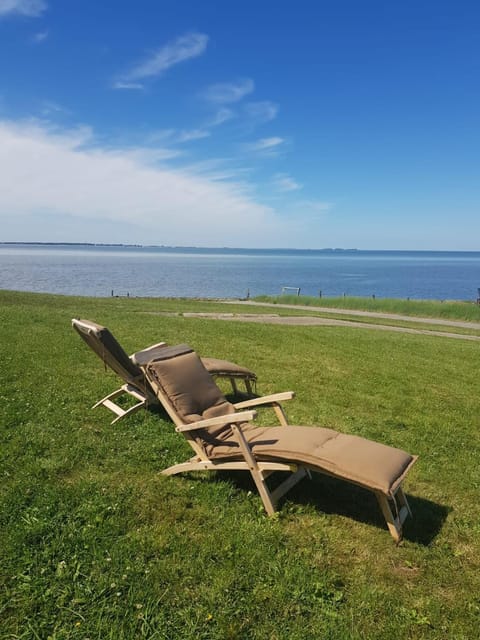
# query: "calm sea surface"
[[216, 273]]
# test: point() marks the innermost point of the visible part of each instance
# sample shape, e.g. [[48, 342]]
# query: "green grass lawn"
[[95, 543]]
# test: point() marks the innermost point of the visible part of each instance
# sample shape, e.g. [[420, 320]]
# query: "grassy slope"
[[95, 543]]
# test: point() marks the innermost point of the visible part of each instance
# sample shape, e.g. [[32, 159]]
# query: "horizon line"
[[227, 248]]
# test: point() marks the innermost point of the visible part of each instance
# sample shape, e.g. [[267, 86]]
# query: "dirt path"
[[365, 314], [334, 322]]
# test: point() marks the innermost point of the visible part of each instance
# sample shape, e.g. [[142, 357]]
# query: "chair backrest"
[[103, 343], [185, 388]]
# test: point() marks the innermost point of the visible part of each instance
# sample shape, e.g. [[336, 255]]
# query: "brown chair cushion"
[[364, 462], [216, 367], [188, 386], [104, 344], [143, 357]]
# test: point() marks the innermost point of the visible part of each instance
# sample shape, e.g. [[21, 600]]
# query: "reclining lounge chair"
[[128, 368], [224, 439]]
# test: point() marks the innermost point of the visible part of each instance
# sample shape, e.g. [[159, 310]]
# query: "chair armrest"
[[229, 418], [272, 399]]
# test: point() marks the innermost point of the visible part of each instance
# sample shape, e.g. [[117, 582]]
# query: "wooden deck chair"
[[128, 368], [223, 437]]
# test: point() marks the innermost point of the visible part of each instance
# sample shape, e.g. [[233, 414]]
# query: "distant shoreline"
[[328, 250], [72, 244], [165, 246]]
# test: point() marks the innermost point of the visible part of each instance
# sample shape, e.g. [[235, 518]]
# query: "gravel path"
[[365, 314], [312, 320]]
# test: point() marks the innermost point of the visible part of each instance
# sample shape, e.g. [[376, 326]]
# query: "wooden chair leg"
[[234, 386], [395, 530], [403, 502], [257, 476], [395, 522]]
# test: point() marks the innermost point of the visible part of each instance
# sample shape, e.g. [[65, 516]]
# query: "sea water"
[[237, 273]]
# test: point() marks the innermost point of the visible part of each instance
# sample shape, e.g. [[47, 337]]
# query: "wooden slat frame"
[[144, 400]]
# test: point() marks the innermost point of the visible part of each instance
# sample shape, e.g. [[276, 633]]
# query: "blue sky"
[[302, 124]]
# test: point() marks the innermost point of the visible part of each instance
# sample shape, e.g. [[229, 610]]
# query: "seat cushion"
[[216, 367], [364, 462]]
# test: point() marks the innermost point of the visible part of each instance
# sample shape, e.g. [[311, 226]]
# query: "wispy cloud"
[[266, 143], [30, 8], [192, 134], [40, 37], [219, 169], [48, 108], [266, 146], [160, 136], [229, 92], [120, 84], [283, 182], [261, 112], [186, 47], [175, 136], [223, 115]]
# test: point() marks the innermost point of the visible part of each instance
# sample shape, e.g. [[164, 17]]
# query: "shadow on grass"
[[330, 495]]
